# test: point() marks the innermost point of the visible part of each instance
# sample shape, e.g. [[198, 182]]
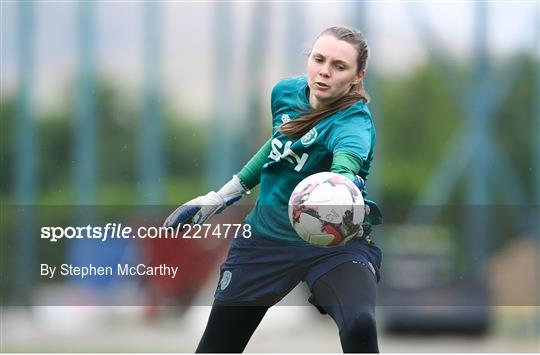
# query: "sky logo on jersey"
[[225, 280], [309, 138], [285, 118]]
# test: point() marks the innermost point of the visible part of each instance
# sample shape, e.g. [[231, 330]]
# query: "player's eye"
[[340, 67], [318, 59]]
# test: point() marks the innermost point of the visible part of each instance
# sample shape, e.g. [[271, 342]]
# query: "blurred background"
[[120, 111]]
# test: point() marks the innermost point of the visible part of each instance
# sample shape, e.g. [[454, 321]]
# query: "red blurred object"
[[196, 260]]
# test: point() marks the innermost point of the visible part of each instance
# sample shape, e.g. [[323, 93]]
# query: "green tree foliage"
[[417, 118], [516, 122], [117, 149], [7, 119]]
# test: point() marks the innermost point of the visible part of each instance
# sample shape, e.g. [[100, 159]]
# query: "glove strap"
[[232, 191]]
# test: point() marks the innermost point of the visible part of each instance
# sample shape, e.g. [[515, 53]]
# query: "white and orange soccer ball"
[[326, 209]]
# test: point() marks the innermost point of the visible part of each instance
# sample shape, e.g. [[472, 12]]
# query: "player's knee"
[[360, 324]]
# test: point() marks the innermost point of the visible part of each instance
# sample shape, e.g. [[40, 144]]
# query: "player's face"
[[331, 70]]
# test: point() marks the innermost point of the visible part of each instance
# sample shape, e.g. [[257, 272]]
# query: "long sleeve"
[[346, 164], [250, 174]]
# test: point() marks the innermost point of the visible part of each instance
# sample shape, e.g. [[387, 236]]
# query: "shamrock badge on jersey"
[[308, 138]]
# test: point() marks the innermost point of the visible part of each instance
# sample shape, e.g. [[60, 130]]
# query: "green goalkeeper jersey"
[[291, 160]]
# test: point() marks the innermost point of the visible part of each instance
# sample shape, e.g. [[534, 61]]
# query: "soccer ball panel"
[[326, 209]]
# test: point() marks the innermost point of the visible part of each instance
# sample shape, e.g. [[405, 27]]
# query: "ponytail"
[[298, 127]]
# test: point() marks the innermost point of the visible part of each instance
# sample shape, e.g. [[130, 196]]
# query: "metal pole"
[[478, 215], [360, 20], [25, 161], [151, 166], [85, 111], [259, 30], [295, 60], [85, 132], [220, 153]]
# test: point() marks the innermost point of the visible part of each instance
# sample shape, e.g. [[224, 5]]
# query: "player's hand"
[[360, 183], [198, 210], [373, 215]]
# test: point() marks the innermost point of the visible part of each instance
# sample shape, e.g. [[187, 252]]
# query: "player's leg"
[[255, 269], [347, 293], [230, 327]]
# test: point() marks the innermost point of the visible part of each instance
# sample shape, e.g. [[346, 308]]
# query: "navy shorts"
[[259, 269]]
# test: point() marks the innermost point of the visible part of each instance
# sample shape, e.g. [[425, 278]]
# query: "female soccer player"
[[321, 123]]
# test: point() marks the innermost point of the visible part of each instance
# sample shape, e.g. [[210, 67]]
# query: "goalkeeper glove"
[[360, 183], [198, 210], [373, 215]]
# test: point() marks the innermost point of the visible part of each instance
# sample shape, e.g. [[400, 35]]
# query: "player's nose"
[[324, 71]]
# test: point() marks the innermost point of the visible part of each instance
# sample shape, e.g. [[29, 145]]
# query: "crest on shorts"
[[309, 138], [225, 280]]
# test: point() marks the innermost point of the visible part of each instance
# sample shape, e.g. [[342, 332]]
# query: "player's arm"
[[250, 174], [349, 165], [346, 164], [201, 208]]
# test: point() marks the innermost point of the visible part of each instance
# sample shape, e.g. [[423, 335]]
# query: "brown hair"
[[300, 126]]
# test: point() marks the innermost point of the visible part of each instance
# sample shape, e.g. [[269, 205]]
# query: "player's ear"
[[359, 77]]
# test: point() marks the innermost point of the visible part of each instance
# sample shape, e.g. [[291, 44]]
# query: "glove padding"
[[198, 210], [360, 183]]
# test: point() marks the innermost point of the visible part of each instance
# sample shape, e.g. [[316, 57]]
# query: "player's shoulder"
[[358, 111], [289, 85]]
